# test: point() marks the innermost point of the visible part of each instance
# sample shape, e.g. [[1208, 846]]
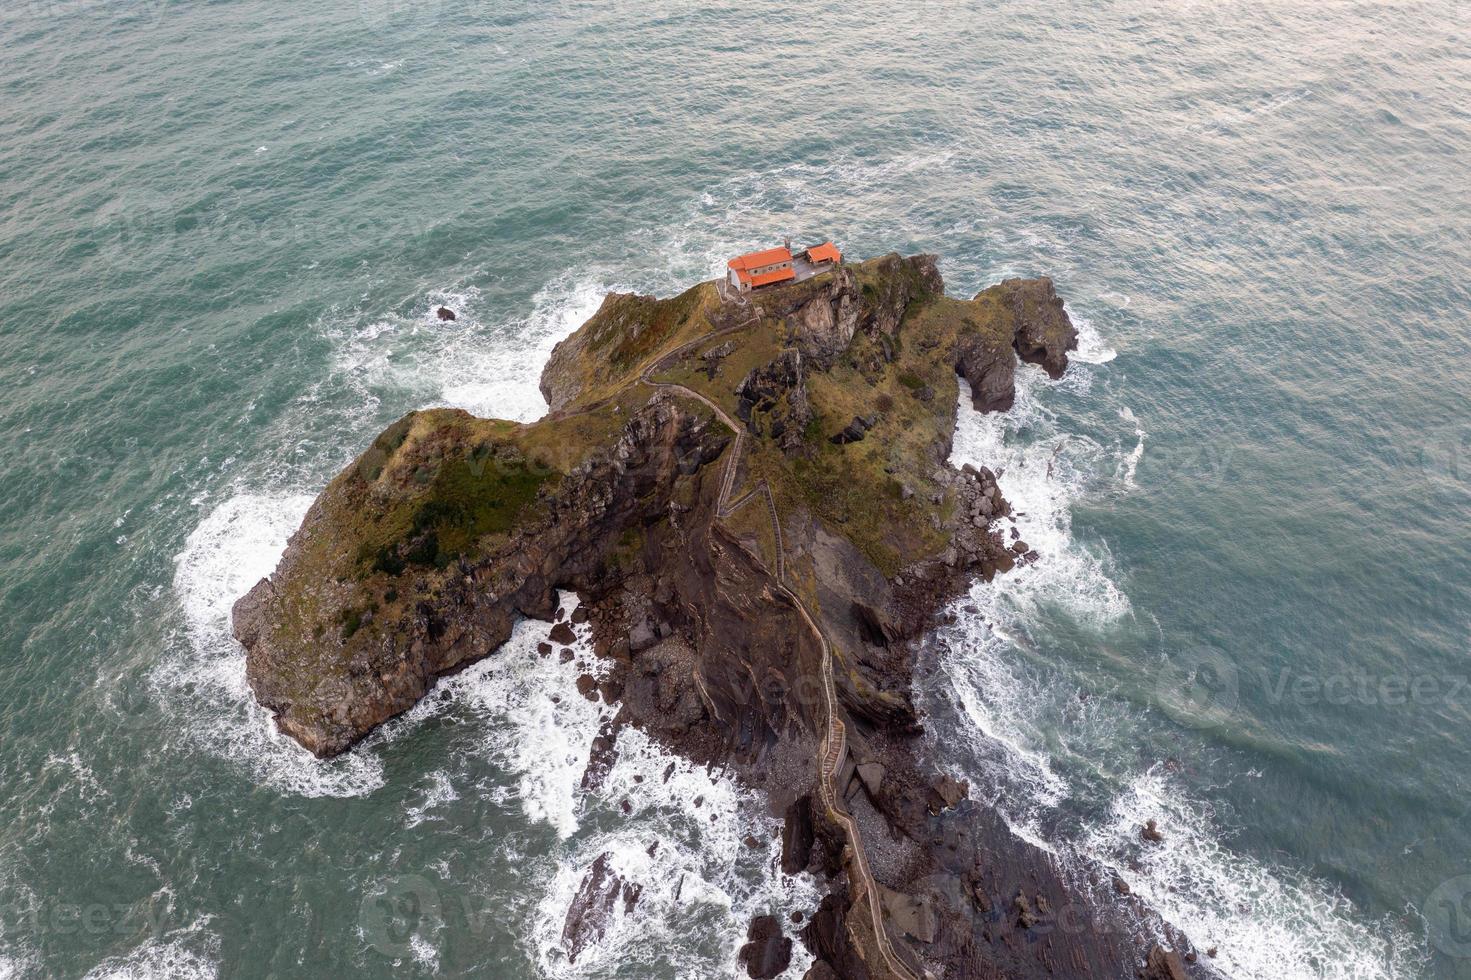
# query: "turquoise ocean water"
[[223, 229]]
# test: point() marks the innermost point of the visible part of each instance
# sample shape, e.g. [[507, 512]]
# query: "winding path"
[[835, 737]]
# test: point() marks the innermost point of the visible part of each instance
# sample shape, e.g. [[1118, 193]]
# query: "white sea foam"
[[191, 953], [498, 376], [441, 790], [486, 365], [1266, 921], [236, 545], [1041, 474], [1092, 348], [536, 724], [699, 888], [424, 952]]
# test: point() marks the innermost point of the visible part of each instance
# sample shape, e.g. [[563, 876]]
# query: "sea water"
[[225, 228]]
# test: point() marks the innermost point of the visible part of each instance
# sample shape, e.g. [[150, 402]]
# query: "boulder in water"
[[1163, 964], [595, 905], [769, 952]]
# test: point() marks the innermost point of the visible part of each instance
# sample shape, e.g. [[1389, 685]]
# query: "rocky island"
[[751, 496]]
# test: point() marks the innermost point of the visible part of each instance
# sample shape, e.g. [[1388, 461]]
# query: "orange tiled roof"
[[780, 275], [756, 260], [826, 252]]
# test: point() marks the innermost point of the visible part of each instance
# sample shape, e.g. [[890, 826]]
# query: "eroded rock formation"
[[752, 498]]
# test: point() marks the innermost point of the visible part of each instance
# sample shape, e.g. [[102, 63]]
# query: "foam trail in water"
[[1130, 466], [1267, 922], [702, 883], [203, 677], [184, 954], [683, 844]]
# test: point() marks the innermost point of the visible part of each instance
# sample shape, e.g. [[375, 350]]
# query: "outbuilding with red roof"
[[779, 265]]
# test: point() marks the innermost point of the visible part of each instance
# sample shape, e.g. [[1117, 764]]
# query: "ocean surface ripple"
[[224, 229]]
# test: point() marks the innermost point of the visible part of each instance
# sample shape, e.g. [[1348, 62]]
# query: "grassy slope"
[[441, 484], [434, 486]]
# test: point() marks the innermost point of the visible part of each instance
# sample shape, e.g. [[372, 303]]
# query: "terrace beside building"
[[775, 266]]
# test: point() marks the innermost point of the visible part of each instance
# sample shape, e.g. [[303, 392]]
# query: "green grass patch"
[[463, 500], [370, 464], [642, 324], [352, 618]]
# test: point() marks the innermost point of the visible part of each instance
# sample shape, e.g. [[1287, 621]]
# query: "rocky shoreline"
[[751, 497]]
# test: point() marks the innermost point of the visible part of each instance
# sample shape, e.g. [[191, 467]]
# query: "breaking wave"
[[191, 953], [1263, 921], [687, 845], [680, 832], [1055, 760], [486, 364], [202, 675]]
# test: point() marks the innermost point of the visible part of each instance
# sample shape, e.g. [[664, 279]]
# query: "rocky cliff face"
[[751, 496], [387, 586]]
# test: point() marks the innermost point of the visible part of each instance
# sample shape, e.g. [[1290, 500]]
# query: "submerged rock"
[[601, 897], [768, 952]]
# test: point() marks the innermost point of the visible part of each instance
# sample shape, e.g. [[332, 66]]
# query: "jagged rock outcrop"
[[825, 323], [1034, 324], [1163, 964], [768, 952], [602, 896], [368, 607], [772, 400], [1044, 333], [855, 430], [751, 497]]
